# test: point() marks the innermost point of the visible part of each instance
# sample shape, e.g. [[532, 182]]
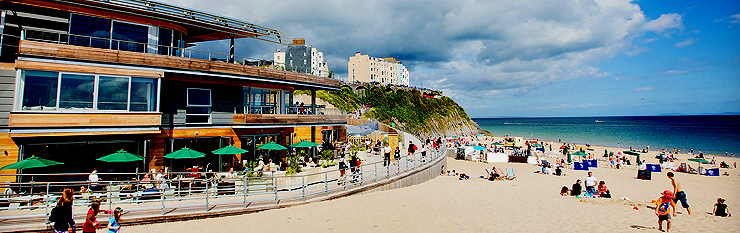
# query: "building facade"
[[384, 70], [302, 58], [86, 78]]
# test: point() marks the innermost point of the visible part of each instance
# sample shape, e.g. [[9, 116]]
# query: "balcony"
[[44, 44], [31, 124], [291, 116]]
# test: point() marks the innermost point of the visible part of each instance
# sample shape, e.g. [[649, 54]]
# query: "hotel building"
[[302, 58], [81, 79], [384, 70]]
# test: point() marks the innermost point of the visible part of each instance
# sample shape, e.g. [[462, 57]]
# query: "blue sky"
[[526, 58]]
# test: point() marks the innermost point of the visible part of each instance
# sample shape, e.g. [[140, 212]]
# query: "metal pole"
[[375, 177], [303, 188], [110, 200], [274, 184], [244, 184], [207, 181], [326, 183], [46, 204]]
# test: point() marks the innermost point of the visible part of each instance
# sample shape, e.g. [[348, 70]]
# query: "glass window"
[[198, 108], [39, 90], [165, 41], [130, 37], [76, 91], [89, 31], [143, 95], [113, 93]]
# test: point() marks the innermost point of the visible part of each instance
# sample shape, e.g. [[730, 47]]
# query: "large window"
[[105, 33], [130, 37], [55, 91], [198, 108]]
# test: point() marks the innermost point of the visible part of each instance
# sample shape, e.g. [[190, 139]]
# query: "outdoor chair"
[[510, 174]]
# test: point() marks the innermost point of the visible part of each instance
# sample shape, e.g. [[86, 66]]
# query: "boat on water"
[[598, 121]]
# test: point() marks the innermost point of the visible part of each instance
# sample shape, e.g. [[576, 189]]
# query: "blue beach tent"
[[653, 167]]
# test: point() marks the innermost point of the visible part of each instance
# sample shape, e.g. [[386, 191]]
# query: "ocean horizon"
[[710, 134]]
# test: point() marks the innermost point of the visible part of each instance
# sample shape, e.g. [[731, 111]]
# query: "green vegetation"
[[408, 109]]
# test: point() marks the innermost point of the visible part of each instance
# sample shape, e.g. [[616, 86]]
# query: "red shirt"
[[89, 226], [665, 205]]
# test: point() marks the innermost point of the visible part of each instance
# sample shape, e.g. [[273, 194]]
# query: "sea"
[[708, 134]]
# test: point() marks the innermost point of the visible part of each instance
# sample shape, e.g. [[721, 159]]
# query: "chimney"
[[357, 53], [299, 41]]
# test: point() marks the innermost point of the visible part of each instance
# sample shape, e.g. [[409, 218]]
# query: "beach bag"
[[415, 147], [53, 215], [342, 165]]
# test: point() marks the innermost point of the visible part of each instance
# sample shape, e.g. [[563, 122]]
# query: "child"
[[720, 208], [91, 221], [113, 225], [665, 206], [565, 191]]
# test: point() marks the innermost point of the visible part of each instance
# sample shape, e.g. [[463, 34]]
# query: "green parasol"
[[700, 161], [271, 146], [121, 156], [497, 144], [536, 145], [305, 143], [580, 153], [229, 150], [31, 163], [185, 153], [570, 160]]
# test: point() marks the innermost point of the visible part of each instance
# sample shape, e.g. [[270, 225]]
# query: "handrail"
[[115, 44], [164, 196]]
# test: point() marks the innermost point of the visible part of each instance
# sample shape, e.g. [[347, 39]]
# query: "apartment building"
[[85, 78], [384, 70], [302, 58]]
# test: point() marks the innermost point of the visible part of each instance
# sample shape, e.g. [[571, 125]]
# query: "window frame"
[[209, 106]]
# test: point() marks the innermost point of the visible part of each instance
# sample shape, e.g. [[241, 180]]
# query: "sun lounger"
[[510, 174]]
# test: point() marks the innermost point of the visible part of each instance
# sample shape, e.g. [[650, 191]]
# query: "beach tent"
[[653, 167]]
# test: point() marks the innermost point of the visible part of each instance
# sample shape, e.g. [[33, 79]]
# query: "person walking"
[[93, 179], [387, 155], [680, 195]]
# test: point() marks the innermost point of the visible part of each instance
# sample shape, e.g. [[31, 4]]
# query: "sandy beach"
[[531, 202]]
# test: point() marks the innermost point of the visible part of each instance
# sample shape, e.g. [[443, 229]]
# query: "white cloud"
[[666, 23], [684, 43], [676, 72], [464, 48], [735, 19]]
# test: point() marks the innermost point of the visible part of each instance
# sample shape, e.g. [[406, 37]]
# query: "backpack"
[[53, 214], [415, 148]]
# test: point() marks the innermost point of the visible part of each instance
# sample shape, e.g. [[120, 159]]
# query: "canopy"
[[305, 143], [31, 163], [229, 150], [479, 148], [629, 152], [699, 160], [579, 153], [185, 153], [271, 146], [497, 144], [121, 156], [536, 145]]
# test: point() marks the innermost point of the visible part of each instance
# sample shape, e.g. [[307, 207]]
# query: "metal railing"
[[298, 110], [183, 192], [124, 45]]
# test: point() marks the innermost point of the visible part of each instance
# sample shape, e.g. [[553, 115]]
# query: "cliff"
[[407, 109]]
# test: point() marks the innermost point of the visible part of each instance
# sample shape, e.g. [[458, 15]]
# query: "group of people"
[[63, 218], [591, 189]]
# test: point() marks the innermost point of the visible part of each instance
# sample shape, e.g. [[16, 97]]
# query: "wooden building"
[[80, 79]]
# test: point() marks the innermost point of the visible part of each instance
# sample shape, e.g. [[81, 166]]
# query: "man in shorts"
[[680, 194]]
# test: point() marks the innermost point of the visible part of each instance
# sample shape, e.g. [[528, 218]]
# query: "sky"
[[502, 58]]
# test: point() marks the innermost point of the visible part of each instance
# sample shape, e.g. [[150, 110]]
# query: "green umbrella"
[[606, 153], [31, 163], [271, 146], [229, 150], [121, 156], [700, 161], [305, 143], [570, 160], [580, 153], [497, 144], [536, 145], [629, 152], [185, 153]]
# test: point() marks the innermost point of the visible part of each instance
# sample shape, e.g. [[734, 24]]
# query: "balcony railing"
[[123, 45], [26, 206], [296, 110]]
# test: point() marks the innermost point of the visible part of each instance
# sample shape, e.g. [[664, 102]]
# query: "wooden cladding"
[[83, 119], [32, 65], [288, 119], [135, 58]]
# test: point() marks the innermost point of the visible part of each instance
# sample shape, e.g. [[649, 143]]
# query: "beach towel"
[[591, 163], [713, 172], [653, 167], [580, 166]]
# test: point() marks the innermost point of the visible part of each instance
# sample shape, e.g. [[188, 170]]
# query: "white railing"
[[30, 203]]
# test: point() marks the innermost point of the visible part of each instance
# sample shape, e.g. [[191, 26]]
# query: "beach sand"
[[529, 203]]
